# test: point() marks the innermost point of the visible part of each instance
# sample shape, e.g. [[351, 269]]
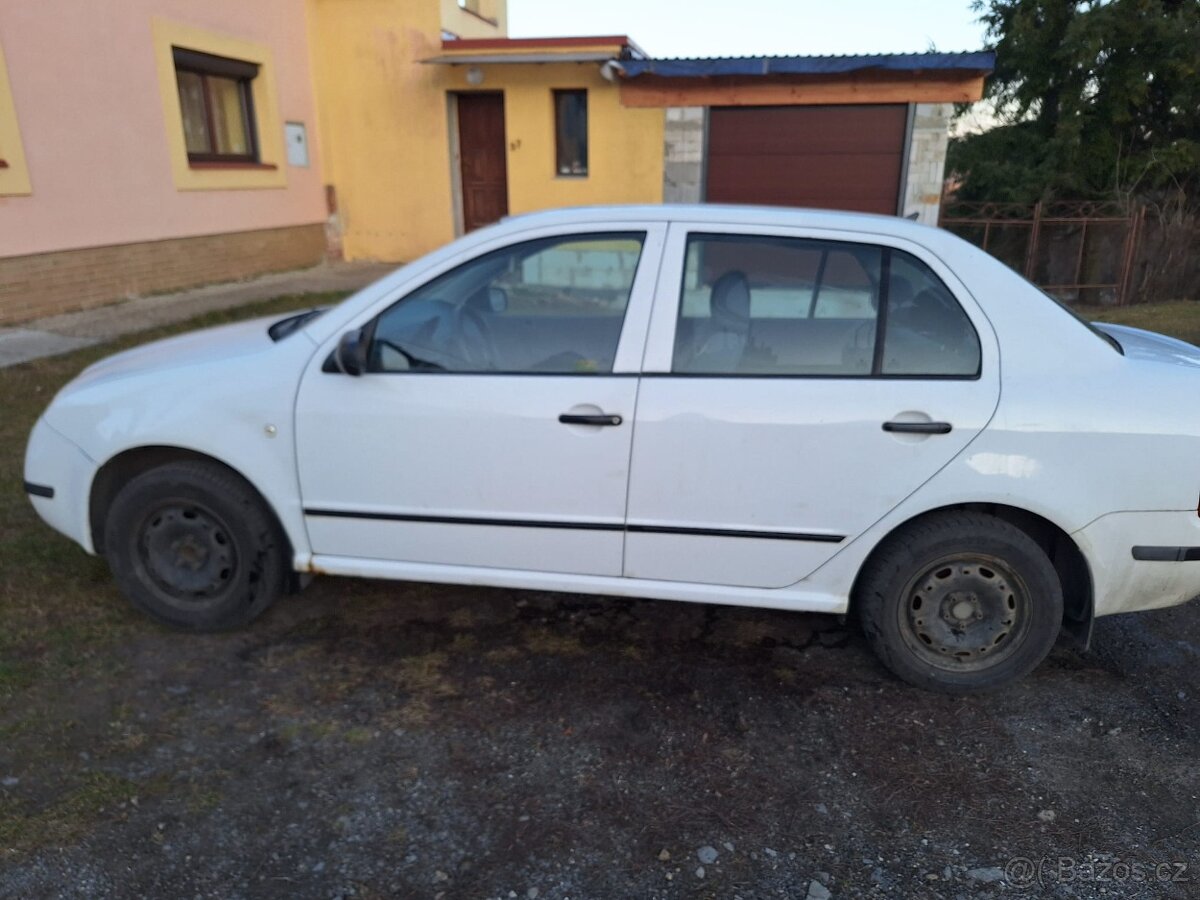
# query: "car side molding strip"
[[461, 520], [585, 526], [739, 533], [39, 490], [1167, 554]]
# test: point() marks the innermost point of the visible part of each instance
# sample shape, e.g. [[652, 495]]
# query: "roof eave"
[[620, 45], [510, 59]]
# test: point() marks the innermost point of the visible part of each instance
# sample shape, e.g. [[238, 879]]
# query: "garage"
[[866, 133], [831, 157]]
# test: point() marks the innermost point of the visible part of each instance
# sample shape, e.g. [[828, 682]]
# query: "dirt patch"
[[375, 740]]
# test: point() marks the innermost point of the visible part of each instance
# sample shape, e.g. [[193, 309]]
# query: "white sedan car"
[[777, 408]]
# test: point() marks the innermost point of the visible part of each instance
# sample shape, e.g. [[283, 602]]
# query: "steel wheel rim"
[[965, 612], [188, 553]]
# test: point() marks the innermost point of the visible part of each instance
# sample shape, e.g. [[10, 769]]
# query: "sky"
[[757, 27]]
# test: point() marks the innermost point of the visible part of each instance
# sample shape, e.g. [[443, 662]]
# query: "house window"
[[217, 103], [570, 132], [472, 6]]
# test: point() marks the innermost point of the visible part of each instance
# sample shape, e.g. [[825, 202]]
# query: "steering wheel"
[[471, 338]]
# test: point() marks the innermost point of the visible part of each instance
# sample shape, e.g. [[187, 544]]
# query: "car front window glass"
[[555, 306]]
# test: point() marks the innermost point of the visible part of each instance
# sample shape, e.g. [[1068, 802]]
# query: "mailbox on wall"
[[296, 137]]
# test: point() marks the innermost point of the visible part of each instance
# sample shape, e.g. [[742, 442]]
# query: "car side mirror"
[[350, 357], [497, 299]]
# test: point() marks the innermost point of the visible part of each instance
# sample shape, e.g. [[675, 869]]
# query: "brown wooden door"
[[832, 157], [482, 150]]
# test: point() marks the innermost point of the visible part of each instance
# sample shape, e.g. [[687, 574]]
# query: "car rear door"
[[493, 428], [770, 430]]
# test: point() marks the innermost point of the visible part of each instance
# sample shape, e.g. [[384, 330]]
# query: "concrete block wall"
[[926, 165], [683, 154]]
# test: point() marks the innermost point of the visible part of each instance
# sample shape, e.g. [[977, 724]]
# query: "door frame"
[[660, 339], [456, 191], [654, 541], [457, 196], [572, 534]]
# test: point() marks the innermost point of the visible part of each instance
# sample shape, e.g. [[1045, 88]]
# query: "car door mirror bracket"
[[350, 355]]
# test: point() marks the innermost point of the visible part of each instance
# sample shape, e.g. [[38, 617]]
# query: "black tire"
[[192, 545], [960, 602]]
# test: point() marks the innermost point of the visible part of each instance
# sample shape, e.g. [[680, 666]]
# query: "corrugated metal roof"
[[697, 67]]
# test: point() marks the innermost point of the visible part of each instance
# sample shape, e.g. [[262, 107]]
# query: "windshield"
[[293, 323]]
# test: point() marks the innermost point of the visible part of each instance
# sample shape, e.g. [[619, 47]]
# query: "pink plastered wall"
[[86, 91]]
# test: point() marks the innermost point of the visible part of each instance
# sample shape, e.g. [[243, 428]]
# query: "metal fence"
[[1081, 252]]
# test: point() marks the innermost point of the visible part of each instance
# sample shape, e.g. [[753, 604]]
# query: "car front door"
[[797, 386], [492, 425]]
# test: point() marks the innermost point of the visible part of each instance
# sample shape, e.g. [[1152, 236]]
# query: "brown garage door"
[[833, 157]]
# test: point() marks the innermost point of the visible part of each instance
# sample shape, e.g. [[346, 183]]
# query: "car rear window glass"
[[927, 332], [777, 306], [764, 305]]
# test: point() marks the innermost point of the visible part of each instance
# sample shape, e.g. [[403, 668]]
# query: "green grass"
[[1179, 318], [88, 798], [58, 607], [62, 621]]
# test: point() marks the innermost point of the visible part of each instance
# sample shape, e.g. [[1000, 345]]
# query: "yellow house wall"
[[382, 124], [384, 132], [625, 146]]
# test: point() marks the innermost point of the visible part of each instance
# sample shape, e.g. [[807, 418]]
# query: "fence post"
[[1031, 251], [1079, 260], [1129, 258]]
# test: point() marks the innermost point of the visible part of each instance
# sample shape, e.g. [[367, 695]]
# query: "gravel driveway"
[[370, 740]]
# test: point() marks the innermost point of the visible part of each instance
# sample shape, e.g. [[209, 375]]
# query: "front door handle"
[[600, 419], [918, 427]]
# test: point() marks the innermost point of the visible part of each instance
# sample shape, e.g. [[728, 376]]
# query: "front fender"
[[238, 412]]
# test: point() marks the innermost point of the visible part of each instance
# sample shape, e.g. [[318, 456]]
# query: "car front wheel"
[[193, 545], [960, 602]]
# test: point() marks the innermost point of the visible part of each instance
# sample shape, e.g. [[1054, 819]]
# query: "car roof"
[[730, 214]]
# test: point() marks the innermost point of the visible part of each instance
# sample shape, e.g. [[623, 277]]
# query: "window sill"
[[254, 167], [573, 176]]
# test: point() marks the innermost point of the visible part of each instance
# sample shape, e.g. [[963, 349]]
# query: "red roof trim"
[[618, 40]]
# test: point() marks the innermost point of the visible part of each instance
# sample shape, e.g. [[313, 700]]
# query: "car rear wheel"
[[960, 602], [192, 545]]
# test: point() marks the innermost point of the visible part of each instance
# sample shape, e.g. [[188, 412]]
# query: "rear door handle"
[[601, 419], [918, 427]]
